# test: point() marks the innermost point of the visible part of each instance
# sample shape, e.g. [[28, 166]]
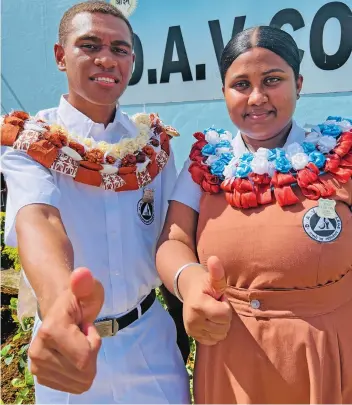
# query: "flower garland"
[[129, 164], [248, 180]]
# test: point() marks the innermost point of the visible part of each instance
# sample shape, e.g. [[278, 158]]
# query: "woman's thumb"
[[217, 277]]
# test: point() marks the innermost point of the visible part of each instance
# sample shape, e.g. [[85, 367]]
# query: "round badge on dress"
[[321, 229], [145, 211]]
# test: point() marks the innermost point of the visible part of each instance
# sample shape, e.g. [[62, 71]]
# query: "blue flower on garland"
[[212, 128], [243, 170], [338, 119], [308, 147], [217, 168], [276, 153], [223, 144], [282, 164], [226, 157], [330, 130], [208, 150], [246, 157], [317, 158]]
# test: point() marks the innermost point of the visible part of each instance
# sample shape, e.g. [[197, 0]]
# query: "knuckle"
[[44, 332], [33, 354], [83, 362]]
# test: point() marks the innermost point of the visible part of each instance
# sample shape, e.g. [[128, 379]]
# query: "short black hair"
[[92, 6], [263, 36]]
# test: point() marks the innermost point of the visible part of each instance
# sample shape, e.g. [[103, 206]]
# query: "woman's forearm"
[[172, 255]]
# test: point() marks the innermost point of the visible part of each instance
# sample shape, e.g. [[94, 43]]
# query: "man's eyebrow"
[[97, 40], [121, 42], [92, 38]]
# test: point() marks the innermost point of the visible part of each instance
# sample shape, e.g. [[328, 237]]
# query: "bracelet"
[[177, 275]]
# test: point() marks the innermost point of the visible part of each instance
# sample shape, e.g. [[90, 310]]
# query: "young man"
[[61, 223]]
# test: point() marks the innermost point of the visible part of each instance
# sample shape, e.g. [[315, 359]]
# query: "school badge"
[[145, 207], [126, 6], [320, 228]]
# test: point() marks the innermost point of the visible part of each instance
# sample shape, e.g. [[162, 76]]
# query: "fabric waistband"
[[308, 302]]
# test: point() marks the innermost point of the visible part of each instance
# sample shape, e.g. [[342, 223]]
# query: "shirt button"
[[255, 304]]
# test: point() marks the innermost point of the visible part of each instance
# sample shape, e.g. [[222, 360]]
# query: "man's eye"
[[90, 47], [117, 49]]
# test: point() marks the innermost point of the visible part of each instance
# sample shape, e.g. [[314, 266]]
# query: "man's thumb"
[[217, 276], [88, 292]]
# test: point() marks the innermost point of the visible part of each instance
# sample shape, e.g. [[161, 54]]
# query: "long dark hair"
[[263, 36]]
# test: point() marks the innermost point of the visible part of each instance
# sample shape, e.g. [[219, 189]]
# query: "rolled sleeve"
[[28, 183], [186, 191]]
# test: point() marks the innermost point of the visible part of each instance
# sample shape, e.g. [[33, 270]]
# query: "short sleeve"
[[168, 179], [186, 191], [28, 183]]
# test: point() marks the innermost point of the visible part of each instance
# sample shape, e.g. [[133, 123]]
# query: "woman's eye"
[[241, 85], [272, 80]]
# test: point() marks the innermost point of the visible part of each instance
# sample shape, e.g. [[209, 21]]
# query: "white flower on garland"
[[226, 136], [345, 125], [230, 169], [141, 118], [264, 152], [299, 161], [211, 159], [212, 137], [313, 137], [259, 164], [326, 144], [293, 149]]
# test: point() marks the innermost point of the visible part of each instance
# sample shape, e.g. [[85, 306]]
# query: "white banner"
[[179, 43]]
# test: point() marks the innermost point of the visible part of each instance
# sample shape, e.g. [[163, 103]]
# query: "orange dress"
[[290, 286]]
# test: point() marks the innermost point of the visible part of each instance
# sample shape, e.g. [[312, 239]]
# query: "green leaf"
[[8, 359], [5, 350], [22, 364], [13, 303], [23, 349], [24, 392], [18, 336], [18, 383], [19, 399], [28, 377]]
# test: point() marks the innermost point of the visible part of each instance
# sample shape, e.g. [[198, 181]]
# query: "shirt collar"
[[297, 134], [79, 124]]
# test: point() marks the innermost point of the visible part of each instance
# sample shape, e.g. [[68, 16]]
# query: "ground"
[[9, 393]]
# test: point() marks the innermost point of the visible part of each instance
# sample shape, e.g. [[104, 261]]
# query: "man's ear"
[[60, 57]]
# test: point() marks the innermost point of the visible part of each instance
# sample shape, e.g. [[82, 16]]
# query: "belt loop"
[[139, 310]]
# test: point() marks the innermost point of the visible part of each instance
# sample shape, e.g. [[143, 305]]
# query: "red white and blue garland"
[[248, 180]]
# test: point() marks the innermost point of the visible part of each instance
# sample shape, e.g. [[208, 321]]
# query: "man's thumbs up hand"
[[207, 313], [63, 354]]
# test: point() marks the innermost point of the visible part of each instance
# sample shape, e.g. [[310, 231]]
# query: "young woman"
[[257, 240]]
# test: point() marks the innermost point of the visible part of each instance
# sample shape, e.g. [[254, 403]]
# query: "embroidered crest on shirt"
[[319, 228], [145, 211]]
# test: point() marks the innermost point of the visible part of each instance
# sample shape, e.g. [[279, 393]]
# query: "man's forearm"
[[46, 252]]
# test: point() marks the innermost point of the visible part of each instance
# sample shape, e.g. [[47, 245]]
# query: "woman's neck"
[[276, 141]]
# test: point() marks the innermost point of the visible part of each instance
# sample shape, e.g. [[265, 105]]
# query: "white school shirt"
[[188, 192], [105, 228]]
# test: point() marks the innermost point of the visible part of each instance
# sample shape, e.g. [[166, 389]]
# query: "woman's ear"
[[60, 57], [299, 84]]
